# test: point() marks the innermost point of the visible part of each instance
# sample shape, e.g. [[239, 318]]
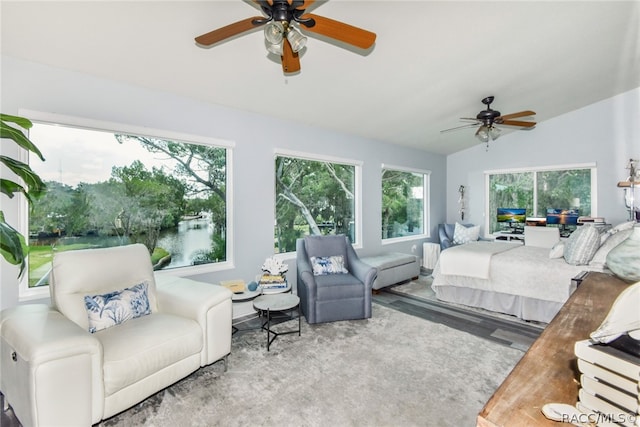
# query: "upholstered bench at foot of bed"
[[393, 267]]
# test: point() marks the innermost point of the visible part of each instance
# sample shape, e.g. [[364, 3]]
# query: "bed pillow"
[[557, 251], [323, 265], [600, 258], [614, 230], [462, 234], [582, 245], [115, 308]]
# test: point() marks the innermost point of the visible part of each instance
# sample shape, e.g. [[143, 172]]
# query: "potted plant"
[[12, 244]]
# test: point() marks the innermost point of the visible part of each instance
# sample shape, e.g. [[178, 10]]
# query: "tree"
[[310, 194], [203, 168], [156, 201]]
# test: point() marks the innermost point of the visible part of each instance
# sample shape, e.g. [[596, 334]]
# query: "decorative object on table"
[[461, 201], [624, 259], [272, 281], [273, 274], [631, 196], [252, 286], [274, 266], [235, 286]]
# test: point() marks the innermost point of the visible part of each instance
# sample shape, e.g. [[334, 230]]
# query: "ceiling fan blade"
[[518, 114], [230, 30], [460, 127], [290, 59], [338, 30], [520, 123]]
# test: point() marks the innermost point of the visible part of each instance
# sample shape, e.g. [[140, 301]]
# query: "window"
[[106, 188], [314, 196], [563, 187], [404, 202]]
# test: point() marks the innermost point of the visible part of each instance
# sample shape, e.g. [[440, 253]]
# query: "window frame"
[[25, 293], [357, 190], [534, 170], [426, 219]]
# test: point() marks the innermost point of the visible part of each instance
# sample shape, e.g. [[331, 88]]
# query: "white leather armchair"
[[53, 371]]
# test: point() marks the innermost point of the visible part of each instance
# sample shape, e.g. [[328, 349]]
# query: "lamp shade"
[[494, 132], [296, 39], [276, 49], [482, 134], [274, 32]]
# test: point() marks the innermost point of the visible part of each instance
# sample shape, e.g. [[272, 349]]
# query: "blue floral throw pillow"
[[117, 307], [328, 265]]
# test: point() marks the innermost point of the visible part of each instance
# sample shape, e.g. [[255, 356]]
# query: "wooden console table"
[[548, 372]]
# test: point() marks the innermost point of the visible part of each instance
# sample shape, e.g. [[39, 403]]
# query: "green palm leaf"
[[10, 132], [12, 245]]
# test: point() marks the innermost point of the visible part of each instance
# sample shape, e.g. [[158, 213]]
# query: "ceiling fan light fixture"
[[296, 39], [274, 32], [276, 49], [494, 132], [482, 134]]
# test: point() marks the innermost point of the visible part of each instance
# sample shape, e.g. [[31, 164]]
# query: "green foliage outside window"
[[402, 203], [175, 191], [538, 191], [312, 198]]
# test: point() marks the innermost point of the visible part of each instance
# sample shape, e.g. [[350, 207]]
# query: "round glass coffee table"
[[278, 303]]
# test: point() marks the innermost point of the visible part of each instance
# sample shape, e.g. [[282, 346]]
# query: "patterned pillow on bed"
[[581, 245], [462, 234]]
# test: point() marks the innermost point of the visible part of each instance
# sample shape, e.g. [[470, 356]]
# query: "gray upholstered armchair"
[[332, 293]]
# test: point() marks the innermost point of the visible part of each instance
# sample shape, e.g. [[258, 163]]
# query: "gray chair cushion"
[[323, 246]]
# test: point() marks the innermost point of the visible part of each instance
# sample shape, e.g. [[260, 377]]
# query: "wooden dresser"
[[548, 373]]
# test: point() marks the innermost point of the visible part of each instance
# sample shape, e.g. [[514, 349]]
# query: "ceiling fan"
[[281, 34], [487, 119]]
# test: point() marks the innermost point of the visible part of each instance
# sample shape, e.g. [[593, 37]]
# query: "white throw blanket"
[[472, 259]]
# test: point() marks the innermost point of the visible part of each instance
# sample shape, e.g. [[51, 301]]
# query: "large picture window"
[[404, 202], [314, 197], [106, 188], [537, 190]]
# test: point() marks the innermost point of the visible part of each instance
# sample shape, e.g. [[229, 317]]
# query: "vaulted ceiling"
[[432, 63]]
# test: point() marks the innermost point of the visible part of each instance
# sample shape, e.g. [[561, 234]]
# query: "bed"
[[529, 282]]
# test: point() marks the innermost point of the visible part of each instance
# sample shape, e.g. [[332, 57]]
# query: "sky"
[[74, 155]]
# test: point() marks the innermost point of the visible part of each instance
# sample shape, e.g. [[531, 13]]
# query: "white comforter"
[[472, 259], [521, 270]]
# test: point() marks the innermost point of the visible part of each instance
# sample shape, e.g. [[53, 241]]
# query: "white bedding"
[[472, 259], [523, 271]]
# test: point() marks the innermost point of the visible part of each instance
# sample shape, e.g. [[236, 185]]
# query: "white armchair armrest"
[[52, 352], [209, 305]]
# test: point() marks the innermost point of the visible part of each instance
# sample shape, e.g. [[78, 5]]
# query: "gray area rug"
[[391, 370]]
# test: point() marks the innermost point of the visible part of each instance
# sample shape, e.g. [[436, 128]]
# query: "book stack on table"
[[271, 282], [610, 384]]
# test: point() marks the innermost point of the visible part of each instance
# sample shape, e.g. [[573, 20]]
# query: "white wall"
[[41, 88], [606, 133]]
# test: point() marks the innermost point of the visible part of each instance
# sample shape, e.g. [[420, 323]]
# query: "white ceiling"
[[432, 63]]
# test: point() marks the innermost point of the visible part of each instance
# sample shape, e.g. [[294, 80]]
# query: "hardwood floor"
[[505, 330]]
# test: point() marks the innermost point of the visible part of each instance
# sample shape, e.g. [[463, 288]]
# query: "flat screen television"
[[562, 216], [512, 215]]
